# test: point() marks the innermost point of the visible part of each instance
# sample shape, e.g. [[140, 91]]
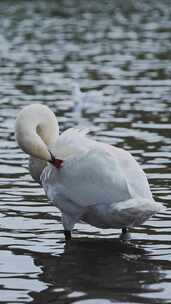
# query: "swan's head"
[[36, 128]]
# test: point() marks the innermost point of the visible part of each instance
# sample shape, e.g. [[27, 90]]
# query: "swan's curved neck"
[[36, 128]]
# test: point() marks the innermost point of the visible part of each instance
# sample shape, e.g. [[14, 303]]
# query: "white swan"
[[87, 180]]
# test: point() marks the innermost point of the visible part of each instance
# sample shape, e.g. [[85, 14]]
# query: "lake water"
[[122, 49]]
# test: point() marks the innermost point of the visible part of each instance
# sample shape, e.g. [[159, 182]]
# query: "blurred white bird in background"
[[87, 180], [85, 101]]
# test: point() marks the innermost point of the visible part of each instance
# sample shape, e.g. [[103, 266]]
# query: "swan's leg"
[[68, 225], [124, 230], [67, 234], [125, 235], [69, 221]]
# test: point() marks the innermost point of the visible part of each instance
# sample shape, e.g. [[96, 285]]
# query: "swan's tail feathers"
[[135, 211]]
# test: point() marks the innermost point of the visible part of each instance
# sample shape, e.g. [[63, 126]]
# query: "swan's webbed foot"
[[67, 234], [125, 235]]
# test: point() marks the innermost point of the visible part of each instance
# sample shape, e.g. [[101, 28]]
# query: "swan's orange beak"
[[58, 163]]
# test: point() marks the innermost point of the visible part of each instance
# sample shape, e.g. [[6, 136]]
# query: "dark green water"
[[123, 50]]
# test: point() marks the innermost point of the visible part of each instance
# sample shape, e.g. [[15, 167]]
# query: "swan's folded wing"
[[135, 176], [72, 142], [90, 178]]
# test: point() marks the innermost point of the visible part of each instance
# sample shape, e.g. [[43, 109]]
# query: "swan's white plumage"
[[100, 184], [36, 128]]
